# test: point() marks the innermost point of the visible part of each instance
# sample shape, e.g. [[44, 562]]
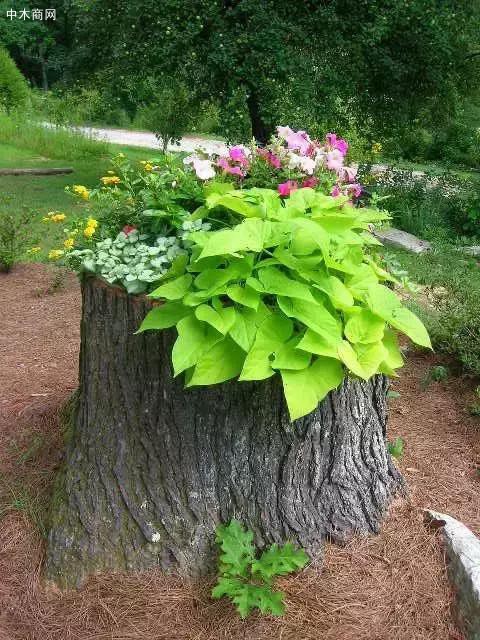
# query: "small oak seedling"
[[247, 579], [396, 448]]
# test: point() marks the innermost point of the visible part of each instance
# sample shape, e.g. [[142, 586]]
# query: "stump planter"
[[152, 468]]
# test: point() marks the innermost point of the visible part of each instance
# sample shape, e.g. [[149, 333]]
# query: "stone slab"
[[463, 551], [402, 239]]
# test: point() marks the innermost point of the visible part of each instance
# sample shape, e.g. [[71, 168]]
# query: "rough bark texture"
[[151, 468]]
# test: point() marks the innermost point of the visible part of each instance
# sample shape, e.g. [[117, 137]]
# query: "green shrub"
[[170, 115], [79, 106], [14, 90], [430, 206], [15, 232]]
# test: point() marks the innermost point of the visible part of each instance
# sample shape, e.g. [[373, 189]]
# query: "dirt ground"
[[389, 587]]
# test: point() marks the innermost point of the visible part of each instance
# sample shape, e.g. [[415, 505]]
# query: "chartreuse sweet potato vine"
[[286, 287]]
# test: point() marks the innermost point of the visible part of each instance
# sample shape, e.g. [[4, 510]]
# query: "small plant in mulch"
[[246, 578], [474, 408], [396, 448], [438, 373]]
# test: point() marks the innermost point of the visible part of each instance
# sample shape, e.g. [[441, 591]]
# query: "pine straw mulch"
[[387, 587]]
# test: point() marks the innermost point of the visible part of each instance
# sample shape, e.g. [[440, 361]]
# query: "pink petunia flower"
[[334, 160], [128, 228], [283, 132], [269, 157], [224, 163], [299, 141], [337, 143], [354, 190], [311, 182], [342, 146], [335, 192], [331, 139], [286, 188], [235, 171], [348, 174]]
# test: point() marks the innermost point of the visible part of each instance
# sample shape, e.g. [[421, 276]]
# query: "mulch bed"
[[387, 587]]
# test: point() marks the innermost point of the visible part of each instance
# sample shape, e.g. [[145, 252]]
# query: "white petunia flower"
[[204, 169]]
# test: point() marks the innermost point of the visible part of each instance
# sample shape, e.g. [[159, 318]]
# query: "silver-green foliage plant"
[[248, 580], [129, 260], [288, 287]]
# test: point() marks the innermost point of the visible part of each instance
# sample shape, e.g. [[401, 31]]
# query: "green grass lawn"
[[450, 304]]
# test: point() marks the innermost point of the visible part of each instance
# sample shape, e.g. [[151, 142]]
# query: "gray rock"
[[463, 551], [474, 250], [402, 239]]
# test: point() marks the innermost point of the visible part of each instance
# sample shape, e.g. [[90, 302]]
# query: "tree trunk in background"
[[151, 468], [259, 129]]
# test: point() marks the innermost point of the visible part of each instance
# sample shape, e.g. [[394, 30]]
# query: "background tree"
[[13, 87], [369, 54]]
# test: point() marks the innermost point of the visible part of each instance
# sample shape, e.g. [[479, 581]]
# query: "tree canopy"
[[377, 59]]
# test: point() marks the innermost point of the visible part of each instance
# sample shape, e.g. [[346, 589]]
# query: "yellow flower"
[[147, 166], [54, 217], [68, 243], [34, 250], [376, 147], [143, 162], [55, 254], [107, 180], [81, 191], [91, 222], [88, 232]]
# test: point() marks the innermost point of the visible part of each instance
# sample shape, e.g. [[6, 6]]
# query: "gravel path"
[[187, 143], [145, 139]]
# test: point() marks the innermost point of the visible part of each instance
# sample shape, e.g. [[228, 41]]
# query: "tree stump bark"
[[152, 468]]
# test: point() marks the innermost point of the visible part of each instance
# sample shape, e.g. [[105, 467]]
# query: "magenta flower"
[[269, 157], [274, 160], [311, 182], [235, 171], [337, 143], [342, 146], [224, 163], [331, 139], [286, 188], [354, 190], [237, 154], [335, 192]]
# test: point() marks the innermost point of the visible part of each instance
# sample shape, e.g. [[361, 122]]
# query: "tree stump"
[[152, 468]]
